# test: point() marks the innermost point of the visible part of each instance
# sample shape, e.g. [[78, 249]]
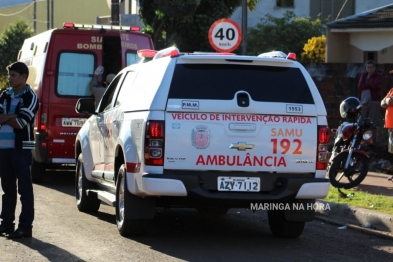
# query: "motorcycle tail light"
[[367, 135]]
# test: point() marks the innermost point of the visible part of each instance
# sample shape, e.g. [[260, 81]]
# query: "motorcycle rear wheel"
[[357, 170]]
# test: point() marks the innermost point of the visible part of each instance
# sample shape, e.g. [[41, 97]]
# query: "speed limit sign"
[[225, 35]]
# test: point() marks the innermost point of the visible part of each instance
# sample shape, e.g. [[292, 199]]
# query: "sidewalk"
[[377, 184], [367, 220]]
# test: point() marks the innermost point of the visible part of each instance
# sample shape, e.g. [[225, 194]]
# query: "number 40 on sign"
[[225, 35]]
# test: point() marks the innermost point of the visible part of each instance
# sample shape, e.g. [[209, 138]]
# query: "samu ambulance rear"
[[61, 64], [240, 129]]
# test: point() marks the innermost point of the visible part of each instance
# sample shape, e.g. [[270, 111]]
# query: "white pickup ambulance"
[[206, 131]]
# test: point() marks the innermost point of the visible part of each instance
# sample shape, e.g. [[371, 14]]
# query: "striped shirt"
[[7, 135]]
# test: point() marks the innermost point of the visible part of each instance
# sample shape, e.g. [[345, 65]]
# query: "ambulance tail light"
[[291, 56], [154, 143], [322, 147], [42, 119]]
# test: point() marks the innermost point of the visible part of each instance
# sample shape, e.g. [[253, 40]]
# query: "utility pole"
[[244, 26], [35, 17], [115, 10], [47, 15], [52, 24]]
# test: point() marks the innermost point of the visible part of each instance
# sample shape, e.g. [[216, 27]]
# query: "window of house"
[[74, 74], [285, 3], [332, 9], [370, 56]]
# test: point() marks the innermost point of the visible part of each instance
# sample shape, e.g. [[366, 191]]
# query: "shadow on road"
[[62, 181], [51, 252], [242, 235]]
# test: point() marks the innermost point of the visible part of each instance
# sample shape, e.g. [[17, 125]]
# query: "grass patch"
[[361, 199]]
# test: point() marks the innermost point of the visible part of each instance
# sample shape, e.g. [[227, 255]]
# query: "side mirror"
[[85, 106]]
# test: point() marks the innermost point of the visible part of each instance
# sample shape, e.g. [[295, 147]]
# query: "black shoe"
[[19, 233], [6, 230]]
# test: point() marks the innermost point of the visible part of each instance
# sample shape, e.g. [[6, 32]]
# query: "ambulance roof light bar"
[[146, 53], [70, 25], [170, 51], [211, 53]]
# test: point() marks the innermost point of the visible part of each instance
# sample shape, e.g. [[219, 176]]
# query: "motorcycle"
[[348, 164]]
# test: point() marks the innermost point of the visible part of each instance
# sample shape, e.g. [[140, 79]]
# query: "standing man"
[[96, 90], [18, 107], [387, 103], [370, 94]]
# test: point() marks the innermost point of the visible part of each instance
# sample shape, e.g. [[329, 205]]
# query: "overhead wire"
[[18, 11]]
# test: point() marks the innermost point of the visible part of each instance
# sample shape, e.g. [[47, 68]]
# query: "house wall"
[[356, 43], [355, 54], [264, 7], [372, 41], [385, 56], [337, 47]]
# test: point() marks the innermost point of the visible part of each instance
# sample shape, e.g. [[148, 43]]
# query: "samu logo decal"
[[200, 137]]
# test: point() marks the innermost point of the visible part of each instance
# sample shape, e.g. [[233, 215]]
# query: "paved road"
[[61, 233]]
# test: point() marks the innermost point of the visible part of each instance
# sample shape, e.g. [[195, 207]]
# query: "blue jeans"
[[15, 168]]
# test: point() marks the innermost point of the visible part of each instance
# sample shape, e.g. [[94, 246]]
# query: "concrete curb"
[[354, 217]]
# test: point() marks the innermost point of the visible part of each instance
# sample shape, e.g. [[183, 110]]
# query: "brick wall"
[[337, 81]]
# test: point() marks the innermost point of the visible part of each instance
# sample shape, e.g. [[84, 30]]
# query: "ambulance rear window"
[[75, 72], [222, 81]]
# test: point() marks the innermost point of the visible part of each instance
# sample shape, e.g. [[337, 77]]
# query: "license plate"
[[66, 121], [238, 184]]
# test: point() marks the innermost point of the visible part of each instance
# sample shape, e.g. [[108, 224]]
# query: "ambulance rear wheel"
[[37, 171], [281, 227]]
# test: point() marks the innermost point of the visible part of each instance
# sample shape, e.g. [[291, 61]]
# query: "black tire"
[[37, 171], [84, 202], [355, 174], [126, 226], [280, 227]]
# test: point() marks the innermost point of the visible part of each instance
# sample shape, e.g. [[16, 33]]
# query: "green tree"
[[185, 23], [287, 34], [11, 41]]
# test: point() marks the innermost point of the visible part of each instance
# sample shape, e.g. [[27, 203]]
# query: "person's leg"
[[365, 110], [8, 185], [390, 145], [21, 162]]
